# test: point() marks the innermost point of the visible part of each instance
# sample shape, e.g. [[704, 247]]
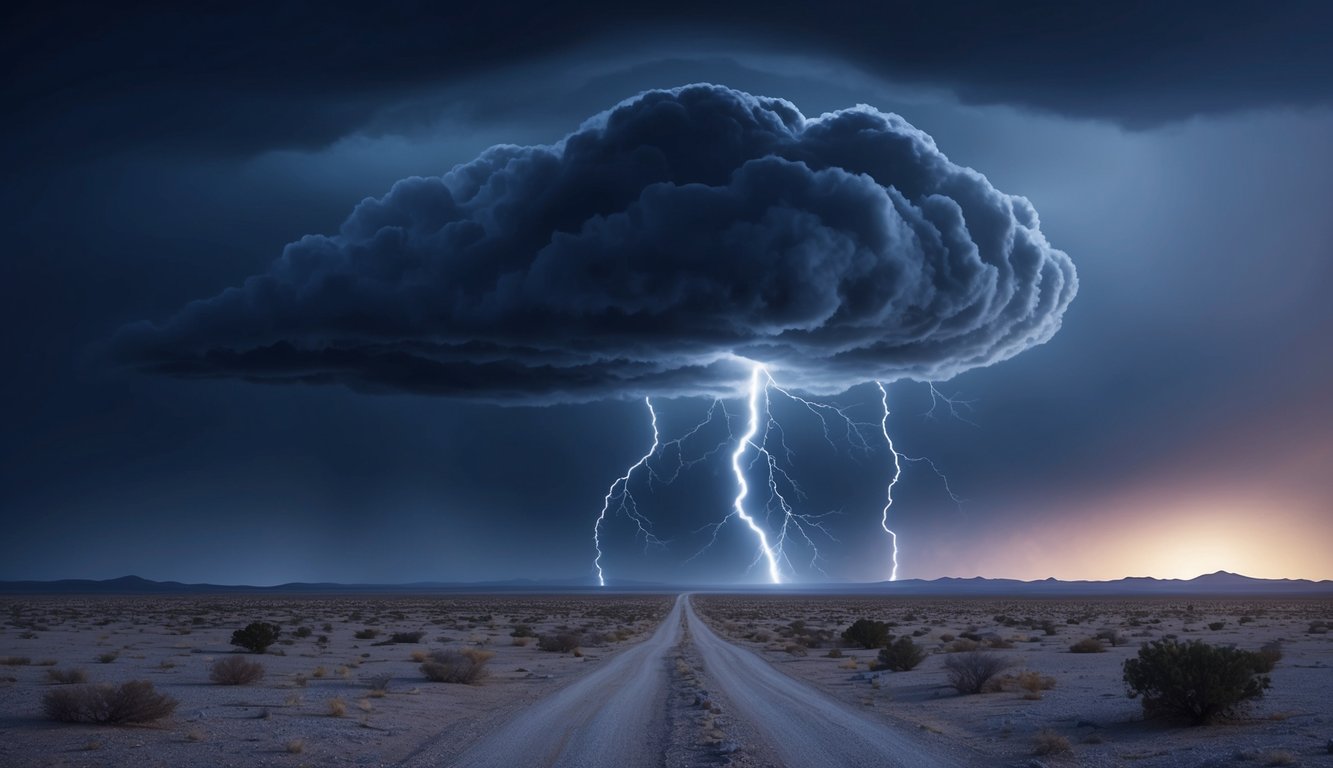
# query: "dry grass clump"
[[133, 702], [295, 747], [467, 666], [235, 670], [337, 707], [406, 637], [1049, 742], [66, 676], [15, 661], [1088, 645]]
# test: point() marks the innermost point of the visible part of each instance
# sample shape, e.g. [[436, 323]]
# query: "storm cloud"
[[658, 249]]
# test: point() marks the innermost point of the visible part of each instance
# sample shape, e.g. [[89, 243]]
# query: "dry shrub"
[[1049, 742], [1268, 656], [295, 746], [962, 645], [135, 701], [1034, 683], [235, 670], [66, 676], [563, 642], [1088, 645], [337, 707], [15, 661], [449, 666], [971, 672]]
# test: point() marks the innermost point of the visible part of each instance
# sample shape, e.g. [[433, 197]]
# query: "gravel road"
[[614, 716], [802, 726]]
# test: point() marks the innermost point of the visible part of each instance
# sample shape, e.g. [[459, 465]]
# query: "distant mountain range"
[[1220, 583]]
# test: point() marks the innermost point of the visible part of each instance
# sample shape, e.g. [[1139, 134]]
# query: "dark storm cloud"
[[654, 250], [89, 78]]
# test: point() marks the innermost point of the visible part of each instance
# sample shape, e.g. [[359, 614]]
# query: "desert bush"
[[108, 657], [962, 645], [867, 633], [522, 630], [796, 649], [368, 633], [1268, 656], [235, 670], [1049, 628], [900, 655], [451, 666], [1111, 636], [257, 636], [15, 661], [135, 701], [66, 676], [834, 653], [1216, 625], [1193, 680], [406, 637], [562, 642], [1049, 742], [379, 683], [970, 672], [303, 632], [1088, 645]]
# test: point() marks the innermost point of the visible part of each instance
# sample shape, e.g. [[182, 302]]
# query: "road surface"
[[801, 726], [614, 717]]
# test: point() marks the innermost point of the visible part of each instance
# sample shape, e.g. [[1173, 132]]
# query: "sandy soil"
[[1087, 706], [289, 717]]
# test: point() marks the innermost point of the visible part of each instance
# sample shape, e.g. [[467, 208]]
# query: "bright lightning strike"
[[627, 505], [897, 472], [898, 458], [743, 487]]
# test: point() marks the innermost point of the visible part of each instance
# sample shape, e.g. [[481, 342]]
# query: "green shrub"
[[1193, 680], [867, 633], [133, 702], [256, 637], [900, 656]]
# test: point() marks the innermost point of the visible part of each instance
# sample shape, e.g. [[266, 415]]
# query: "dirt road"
[[803, 727], [614, 716]]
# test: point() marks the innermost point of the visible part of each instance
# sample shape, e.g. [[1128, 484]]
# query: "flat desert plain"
[[630, 680], [1073, 709], [336, 689]]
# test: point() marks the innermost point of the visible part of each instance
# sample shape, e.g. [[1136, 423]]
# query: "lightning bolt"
[[897, 472], [743, 488], [627, 505], [898, 458]]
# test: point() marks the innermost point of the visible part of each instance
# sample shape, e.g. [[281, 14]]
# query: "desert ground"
[[630, 680], [1075, 710]]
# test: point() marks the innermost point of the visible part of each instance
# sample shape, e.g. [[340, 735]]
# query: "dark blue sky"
[[1176, 424]]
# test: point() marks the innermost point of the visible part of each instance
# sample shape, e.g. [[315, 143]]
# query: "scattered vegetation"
[[135, 701], [971, 672], [1049, 742], [563, 642], [1194, 680], [66, 676], [867, 633], [256, 637], [1088, 645], [235, 670], [407, 637], [900, 655], [467, 666]]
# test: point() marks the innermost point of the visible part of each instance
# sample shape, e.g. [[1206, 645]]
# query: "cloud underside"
[[663, 248]]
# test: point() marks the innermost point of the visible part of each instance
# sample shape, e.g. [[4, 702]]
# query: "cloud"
[[656, 250]]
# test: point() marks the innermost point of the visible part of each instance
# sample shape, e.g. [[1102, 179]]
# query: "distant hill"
[[1220, 583]]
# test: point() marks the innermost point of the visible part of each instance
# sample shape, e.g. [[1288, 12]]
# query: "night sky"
[[379, 402]]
